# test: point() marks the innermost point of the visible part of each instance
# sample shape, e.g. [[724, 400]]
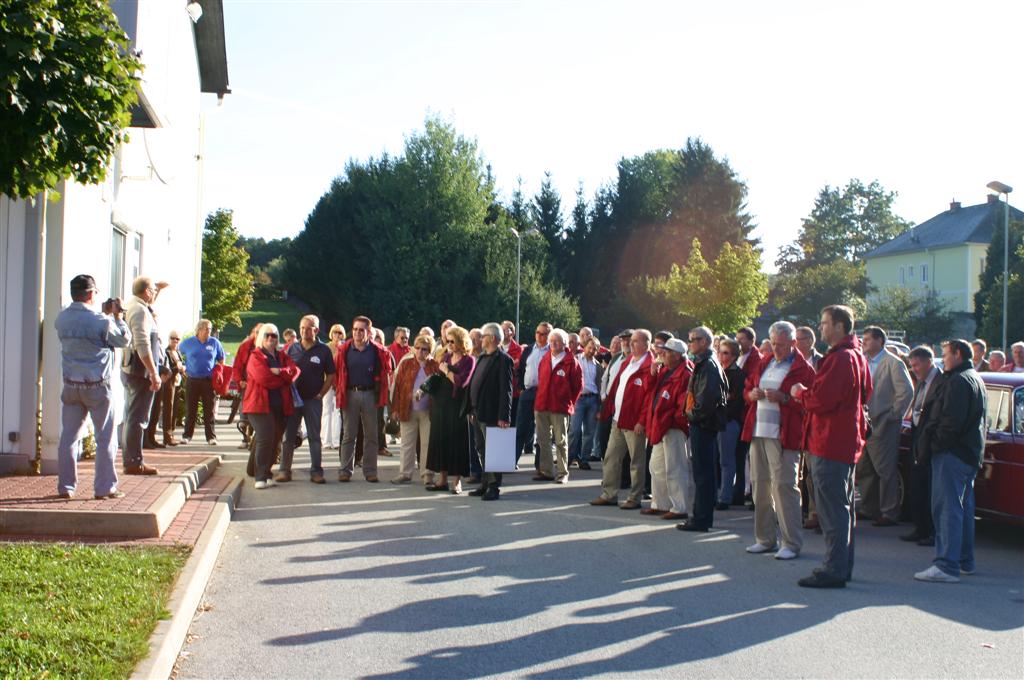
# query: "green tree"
[[546, 209], [724, 295], [416, 238], [226, 282], [991, 327], [801, 295], [923, 315], [67, 84]]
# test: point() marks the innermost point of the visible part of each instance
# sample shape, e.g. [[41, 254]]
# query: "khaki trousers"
[[878, 472], [773, 478], [415, 431], [620, 443], [552, 426], [672, 487]]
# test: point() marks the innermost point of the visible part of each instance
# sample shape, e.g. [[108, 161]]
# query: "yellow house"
[[945, 253]]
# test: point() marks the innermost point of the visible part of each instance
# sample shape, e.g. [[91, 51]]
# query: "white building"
[[144, 219]]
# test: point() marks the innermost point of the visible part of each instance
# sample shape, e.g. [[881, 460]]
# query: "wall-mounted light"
[[195, 11]]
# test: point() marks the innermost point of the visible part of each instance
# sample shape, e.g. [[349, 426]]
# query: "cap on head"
[[83, 283], [626, 334], [675, 345]]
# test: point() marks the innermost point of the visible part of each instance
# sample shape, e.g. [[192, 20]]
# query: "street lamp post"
[[1005, 190], [519, 267]]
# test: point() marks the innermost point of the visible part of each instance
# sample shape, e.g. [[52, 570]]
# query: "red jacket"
[[383, 378], [558, 387], [834, 426], [242, 359], [261, 381], [634, 400], [397, 351], [666, 408], [792, 428], [515, 350], [753, 366]]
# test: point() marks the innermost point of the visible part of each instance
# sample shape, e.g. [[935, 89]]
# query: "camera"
[[112, 306]]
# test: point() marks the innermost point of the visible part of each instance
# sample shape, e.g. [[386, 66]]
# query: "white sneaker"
[[184, 440], [936, 575], [786, 554], [270, 483], [212, 442], [261, 485], [759, 548]]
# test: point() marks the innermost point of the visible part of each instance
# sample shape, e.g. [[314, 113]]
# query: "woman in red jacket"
[[774, 428], [559, 383], [270, 373], [667, 430]]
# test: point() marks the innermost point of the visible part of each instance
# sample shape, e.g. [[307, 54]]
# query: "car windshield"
[[1018, 410]]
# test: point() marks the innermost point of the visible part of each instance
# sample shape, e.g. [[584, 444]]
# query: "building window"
[[135, 257], [924, 273], [117, 243], [903, 275], [910, 271]]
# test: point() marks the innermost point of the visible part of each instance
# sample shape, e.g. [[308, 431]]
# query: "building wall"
[[150, 202], [952, 272]]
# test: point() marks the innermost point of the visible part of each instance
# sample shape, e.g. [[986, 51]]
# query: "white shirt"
[[627, 372], [532, 364], [609, 376], [556, 359]]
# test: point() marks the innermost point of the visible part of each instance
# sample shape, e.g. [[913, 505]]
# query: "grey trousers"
[[267, 429], [312, 413], [878, 473], [359, 407], [138, 402], [78, 403], [833, 498], [620, 443]]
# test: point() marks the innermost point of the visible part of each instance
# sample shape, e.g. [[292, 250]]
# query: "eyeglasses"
[[175, 337], [542, 333], [335, 332], [694, 339], [270, 335]]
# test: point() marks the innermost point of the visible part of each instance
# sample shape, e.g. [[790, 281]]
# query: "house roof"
[[954, 227], [211, 48]]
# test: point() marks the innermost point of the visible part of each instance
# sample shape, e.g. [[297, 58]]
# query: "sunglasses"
[[271, 335], [694, 339]]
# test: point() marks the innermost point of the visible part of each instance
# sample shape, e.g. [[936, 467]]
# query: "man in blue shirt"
[[87, 342], [202, 352]]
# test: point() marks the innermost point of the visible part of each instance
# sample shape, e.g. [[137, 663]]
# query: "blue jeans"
[[312, 413], [727, 440], [953, 512], [79, 402], [583, 428], [525, 423]]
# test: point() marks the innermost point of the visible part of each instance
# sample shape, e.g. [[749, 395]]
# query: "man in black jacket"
[[490, 402], [955, 435], [707, 415]]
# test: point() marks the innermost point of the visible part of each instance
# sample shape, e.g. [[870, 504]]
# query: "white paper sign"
[[500, 450]]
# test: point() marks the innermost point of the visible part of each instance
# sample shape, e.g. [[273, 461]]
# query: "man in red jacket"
[[834, 434], [624, 406], [363, 376], [559, 383], [667, 429]]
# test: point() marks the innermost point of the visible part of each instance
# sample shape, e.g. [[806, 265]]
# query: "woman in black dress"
[[448, 449]]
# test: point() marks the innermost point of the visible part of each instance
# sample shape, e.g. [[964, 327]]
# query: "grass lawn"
[[277, 312], [69, 610]]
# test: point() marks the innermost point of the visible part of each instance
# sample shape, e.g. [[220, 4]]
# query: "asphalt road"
[[377, 580]]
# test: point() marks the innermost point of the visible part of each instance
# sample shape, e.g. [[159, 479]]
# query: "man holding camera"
[[87, 342]]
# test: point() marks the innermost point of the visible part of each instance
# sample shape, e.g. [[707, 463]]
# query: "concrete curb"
[[169, 635], [122, 524]]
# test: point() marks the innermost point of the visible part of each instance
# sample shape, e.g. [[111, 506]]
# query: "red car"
[[999, 486]]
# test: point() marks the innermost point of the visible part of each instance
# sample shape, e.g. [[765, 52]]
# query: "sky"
[[925, 97]]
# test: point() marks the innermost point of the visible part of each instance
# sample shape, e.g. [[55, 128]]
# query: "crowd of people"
[[696, 424]]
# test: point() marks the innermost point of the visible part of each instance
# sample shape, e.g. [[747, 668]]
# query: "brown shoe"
[[884, 521], [344, 477], [283, 477], [652, 511], [385, 453], [372, 479], [170, 441], [811, 523], [675, 515], [629, 505], [540, 477], [601, 500], [317, 478], [152, 444], [140, 470]]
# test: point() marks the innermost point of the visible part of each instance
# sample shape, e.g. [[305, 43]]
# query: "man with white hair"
[[627, 398], [996, 361], [706, 412], [140, 372], [672, 487], [559, 382], [774, 428], [202, 353], [490, 402]]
